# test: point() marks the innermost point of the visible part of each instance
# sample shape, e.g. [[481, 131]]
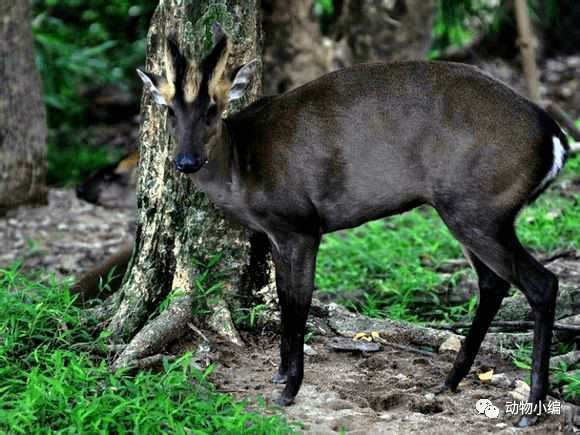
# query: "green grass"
[[388, 267], [48, 384], [386, 258], [568, 383], [553, 220]]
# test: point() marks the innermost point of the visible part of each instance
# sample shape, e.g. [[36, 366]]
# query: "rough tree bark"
[[22, 118], [176, 222]]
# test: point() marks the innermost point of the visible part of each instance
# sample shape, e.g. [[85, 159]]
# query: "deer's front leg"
[[294, 258]]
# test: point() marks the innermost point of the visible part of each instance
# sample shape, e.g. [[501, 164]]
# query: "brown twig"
[[520, 325]]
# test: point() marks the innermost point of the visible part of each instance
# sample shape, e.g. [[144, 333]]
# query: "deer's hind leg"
[[500, 253], [492, 290]]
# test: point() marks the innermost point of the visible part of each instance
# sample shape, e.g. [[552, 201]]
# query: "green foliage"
[[386, 259], [523, 356], [86, 43], [457, 20], [75, 41], [81, 44], [250, 319], [553, 220], [323, 7], [564, 378], [567, 381], [49, 385], [324, 10], [209, 285], [452, 29], [69, 167]]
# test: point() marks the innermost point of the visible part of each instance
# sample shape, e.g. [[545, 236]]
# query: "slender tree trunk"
[[175, 222], [22, 118], [528, 50]]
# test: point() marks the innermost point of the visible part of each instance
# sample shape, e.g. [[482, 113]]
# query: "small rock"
[[402, 379], [501, 380], [553, 214], [452, 344], [308, 350], [521, 390], [573, 61], [555, 65], [338, 404], [566, 91]]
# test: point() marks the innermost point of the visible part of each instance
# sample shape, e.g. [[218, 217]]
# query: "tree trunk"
[[175, 222], [527, 48], [22, 118]]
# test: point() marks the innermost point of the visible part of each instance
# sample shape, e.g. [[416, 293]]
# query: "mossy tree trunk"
[[22, 118], [175, 222]]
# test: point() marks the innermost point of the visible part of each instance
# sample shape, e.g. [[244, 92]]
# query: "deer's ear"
[[149, 83], [213, 68], [243, 80]]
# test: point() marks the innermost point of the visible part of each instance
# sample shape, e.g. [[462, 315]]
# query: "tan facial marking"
[[167, 86], [191, 85], [167, 90], [218, 86]]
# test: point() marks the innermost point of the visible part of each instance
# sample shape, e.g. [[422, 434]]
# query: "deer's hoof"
[[526, 421], [284, 399], [280, 379]]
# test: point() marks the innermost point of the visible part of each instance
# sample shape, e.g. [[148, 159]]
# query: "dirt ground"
[[388, 391], [384, 392]]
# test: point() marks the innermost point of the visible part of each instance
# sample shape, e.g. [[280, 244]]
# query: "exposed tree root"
[[102, 312], [221, 322], [155, 335], [101, 349], [150, 361]]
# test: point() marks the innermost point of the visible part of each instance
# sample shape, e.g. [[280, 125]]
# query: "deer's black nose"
[[185, 163]]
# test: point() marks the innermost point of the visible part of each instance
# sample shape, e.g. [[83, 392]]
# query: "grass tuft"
[[48, 386]]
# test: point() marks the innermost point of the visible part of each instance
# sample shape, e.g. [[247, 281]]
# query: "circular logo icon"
[[492, 411], [482, 404]]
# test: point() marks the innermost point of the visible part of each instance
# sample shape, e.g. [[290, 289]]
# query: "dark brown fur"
[[368, 142]]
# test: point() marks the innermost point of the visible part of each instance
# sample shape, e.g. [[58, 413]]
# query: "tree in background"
[[22, 116]]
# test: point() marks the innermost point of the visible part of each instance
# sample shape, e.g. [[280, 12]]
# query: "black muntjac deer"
[[364, 143]]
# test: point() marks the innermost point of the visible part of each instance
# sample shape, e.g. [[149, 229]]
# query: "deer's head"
[[196, 95]]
